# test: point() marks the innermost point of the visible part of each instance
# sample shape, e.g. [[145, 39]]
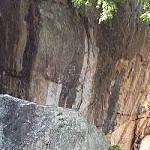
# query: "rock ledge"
[[27, 126]]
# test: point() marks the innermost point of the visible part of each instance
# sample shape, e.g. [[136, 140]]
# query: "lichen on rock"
[[28, 126]]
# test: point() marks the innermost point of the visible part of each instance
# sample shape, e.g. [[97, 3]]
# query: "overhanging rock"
[[28, 126]]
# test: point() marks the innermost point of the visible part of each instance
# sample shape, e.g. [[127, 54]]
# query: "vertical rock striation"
[[52, 56]]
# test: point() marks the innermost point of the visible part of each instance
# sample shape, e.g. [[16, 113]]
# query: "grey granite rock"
[[28, 126]]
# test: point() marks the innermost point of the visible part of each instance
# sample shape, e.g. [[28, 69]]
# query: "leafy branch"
[[146, 11], [109, 7]]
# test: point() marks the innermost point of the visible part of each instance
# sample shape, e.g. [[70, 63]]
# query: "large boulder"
[[28, 126]]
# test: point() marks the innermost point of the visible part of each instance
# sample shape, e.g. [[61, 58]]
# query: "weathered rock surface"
[[27, 126], [51, 56], [145, 143]]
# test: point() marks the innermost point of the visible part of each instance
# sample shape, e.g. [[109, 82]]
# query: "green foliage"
[[79, 4], [115, 147], [107, 10], [146, 11], [146, 17], [109, 7]]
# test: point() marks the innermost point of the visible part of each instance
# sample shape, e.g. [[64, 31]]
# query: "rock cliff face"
[[52, 56], [27, 126]]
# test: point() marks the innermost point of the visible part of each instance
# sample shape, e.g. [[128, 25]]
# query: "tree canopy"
[[109, 7]]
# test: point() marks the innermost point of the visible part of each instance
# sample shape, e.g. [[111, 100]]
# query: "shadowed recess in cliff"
[[33, 20], [110, 120], [71, 77]]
